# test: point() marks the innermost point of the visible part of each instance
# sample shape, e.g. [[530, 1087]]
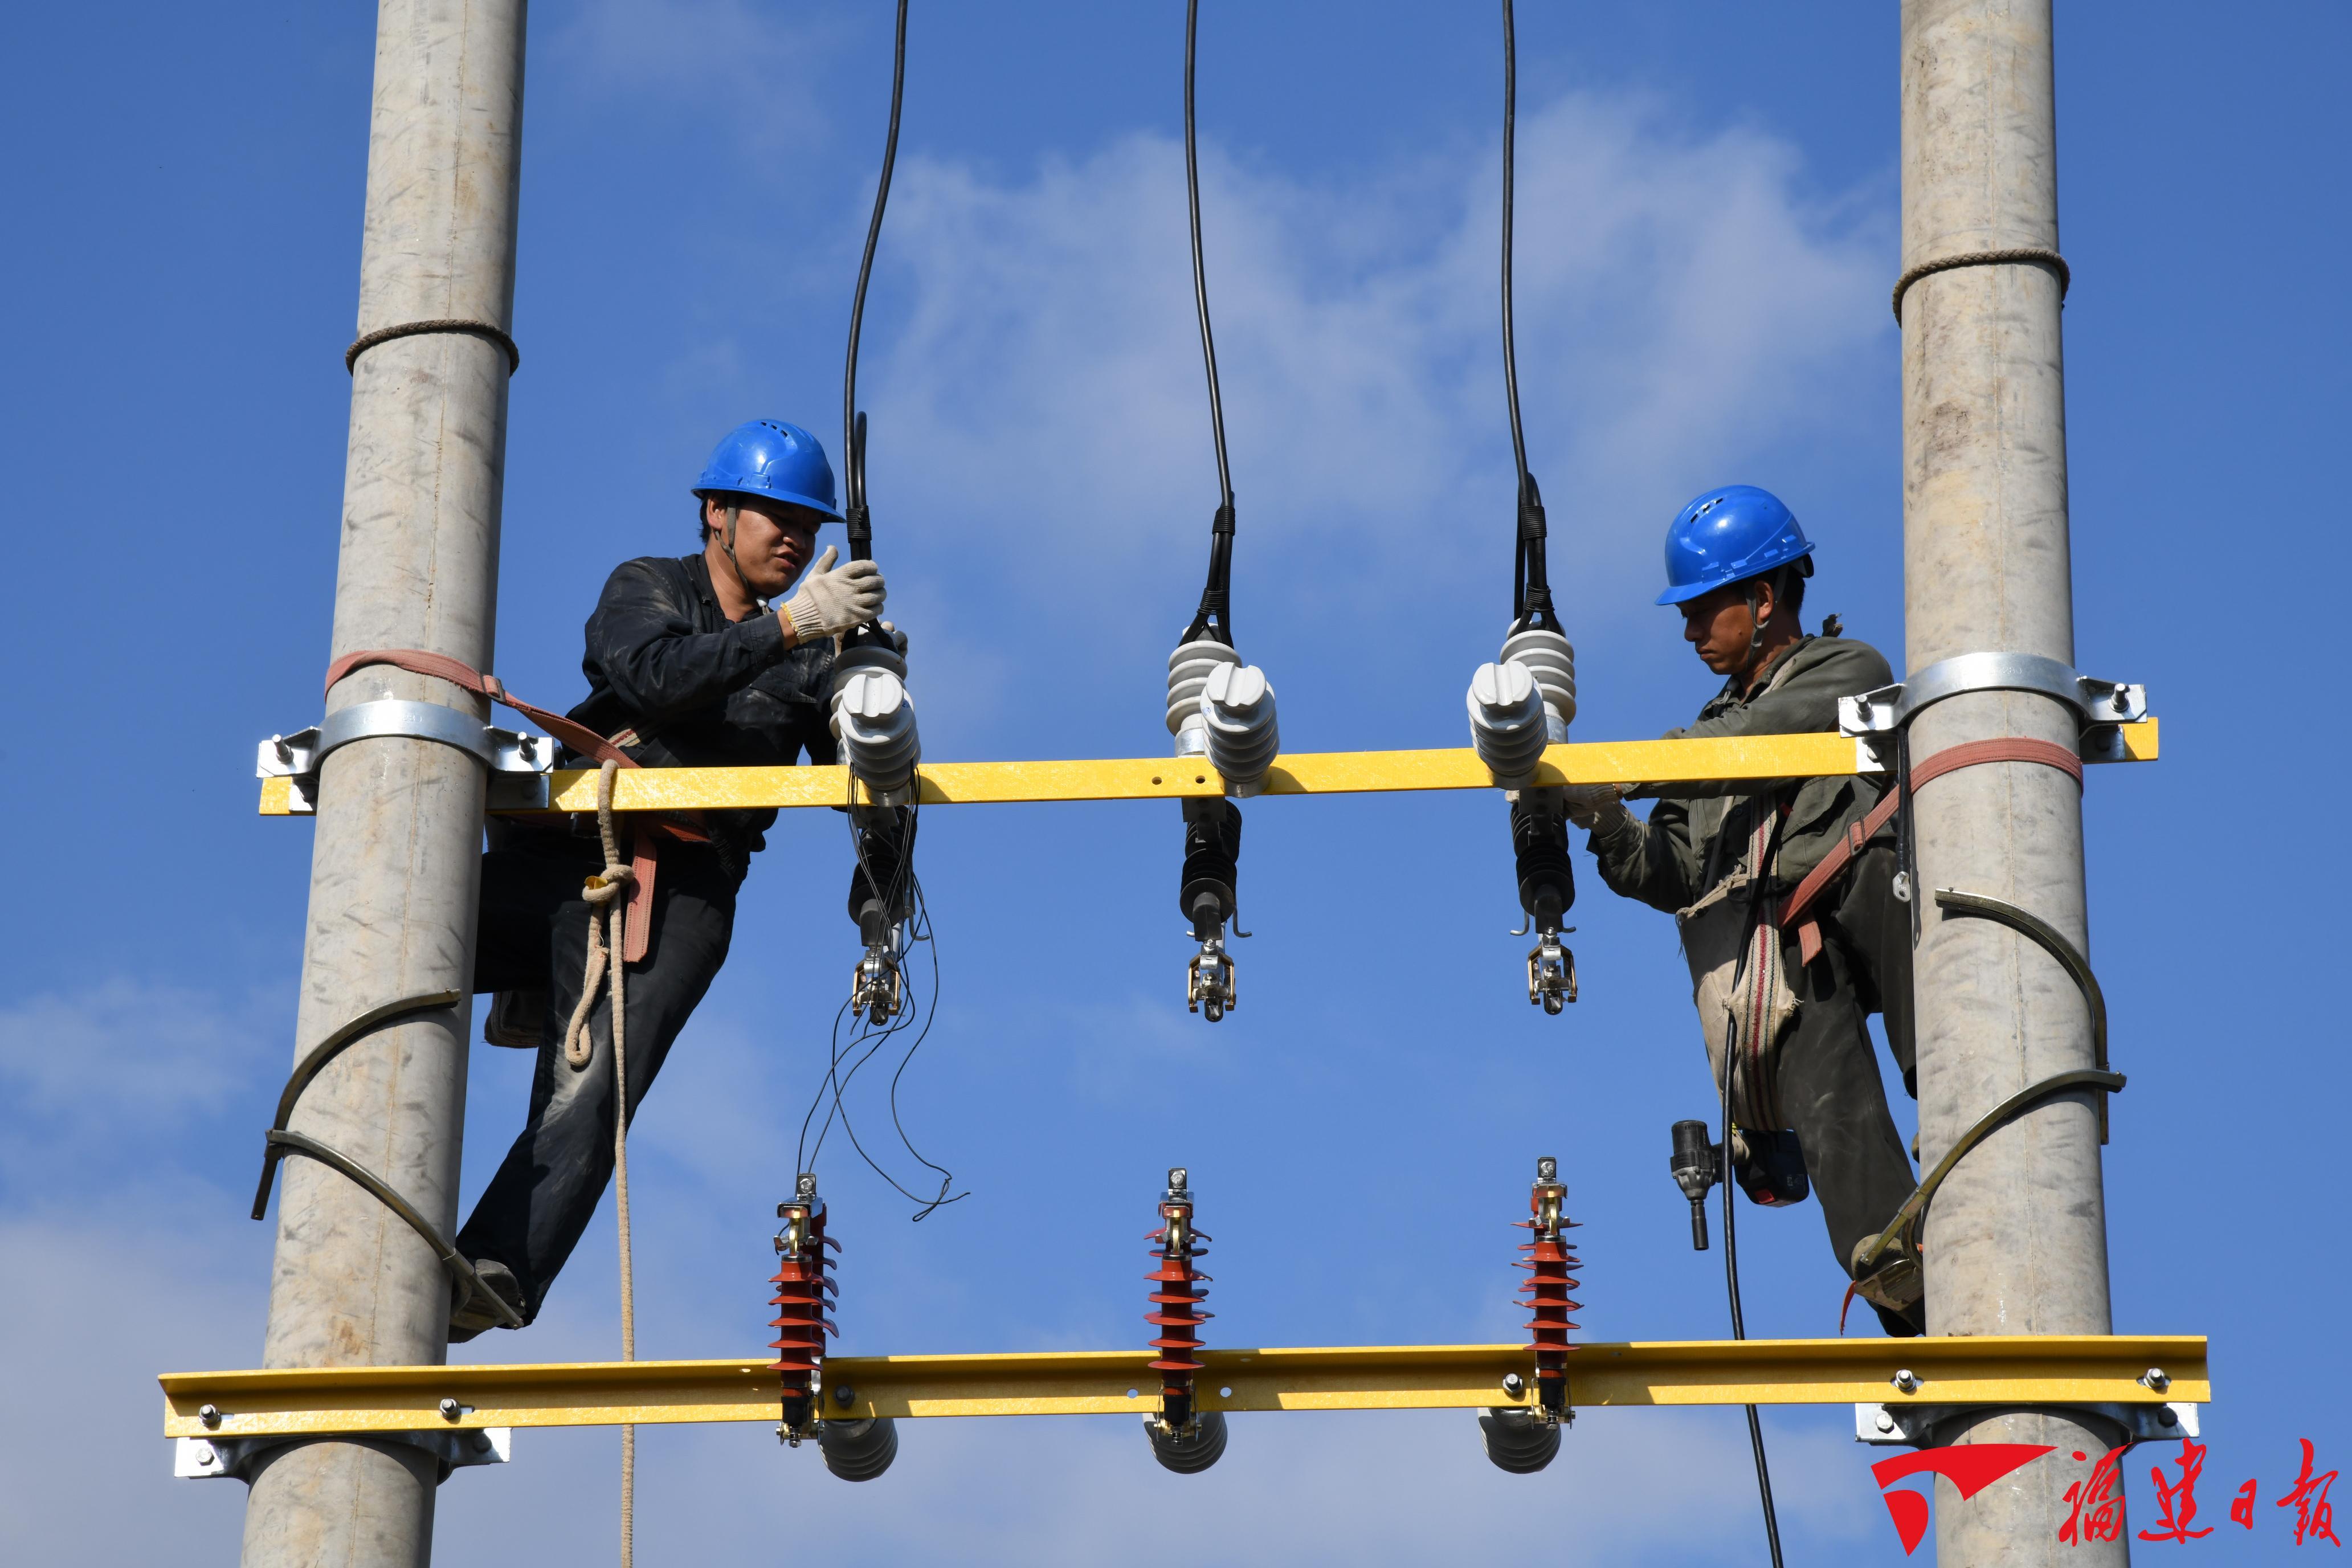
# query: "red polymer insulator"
[[1547, 1285], [802, 1279], [1177, 1294]]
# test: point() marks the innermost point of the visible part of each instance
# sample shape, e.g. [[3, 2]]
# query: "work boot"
[[473, 1312], [1893, 1288]]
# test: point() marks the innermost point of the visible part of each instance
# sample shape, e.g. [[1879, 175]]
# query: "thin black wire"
[[1731, 1231], [1739, 1327], [853, 444], [1531, 603], [1510, 339], [919, 930], [1199, 272], [1213, 620]]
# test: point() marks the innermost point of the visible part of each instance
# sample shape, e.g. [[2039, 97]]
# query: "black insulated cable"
[[860, 521], [1213, 620], [1530, 580], [894, 876], [1738, 1324]]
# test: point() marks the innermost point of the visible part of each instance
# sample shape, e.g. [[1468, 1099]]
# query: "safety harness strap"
[[1974, 753], [645, 846], [457, 672]]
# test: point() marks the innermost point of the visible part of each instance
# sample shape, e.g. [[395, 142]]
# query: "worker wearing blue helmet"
[[720, 657], [1782, 989]]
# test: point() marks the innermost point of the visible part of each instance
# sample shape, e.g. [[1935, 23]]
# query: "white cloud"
[[733, 61], [106, 1067], [1687, 315], [1681, 307]]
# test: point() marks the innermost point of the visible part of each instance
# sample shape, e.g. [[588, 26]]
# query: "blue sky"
[[1708, 232]]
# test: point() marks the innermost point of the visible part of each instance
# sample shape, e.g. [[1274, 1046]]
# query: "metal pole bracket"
[[2098, 705], [236, 1458], [1915, 1426], [520, 763]]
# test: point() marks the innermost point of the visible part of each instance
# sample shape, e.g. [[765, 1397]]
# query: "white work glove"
[[1594, 806], [833, 600]]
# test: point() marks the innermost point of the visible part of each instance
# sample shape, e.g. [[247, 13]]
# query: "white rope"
[[608, 928]]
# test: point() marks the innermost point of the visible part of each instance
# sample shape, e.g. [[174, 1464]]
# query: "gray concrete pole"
[[396, 856], [2017, 1240]]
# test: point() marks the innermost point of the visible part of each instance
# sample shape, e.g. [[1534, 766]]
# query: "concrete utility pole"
[[2018, 1239], [396, 858]]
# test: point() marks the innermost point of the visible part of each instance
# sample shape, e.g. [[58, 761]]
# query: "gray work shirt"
[[1697, 833]]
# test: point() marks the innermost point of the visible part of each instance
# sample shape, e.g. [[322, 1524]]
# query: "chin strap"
[[727, 546]]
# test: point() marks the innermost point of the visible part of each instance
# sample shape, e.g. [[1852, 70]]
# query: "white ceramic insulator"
[[1188, 676], [1237, 702], [1547, 654], [873, 720], [1508, 721]]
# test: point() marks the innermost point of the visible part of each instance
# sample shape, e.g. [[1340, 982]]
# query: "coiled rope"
[[608, 917]]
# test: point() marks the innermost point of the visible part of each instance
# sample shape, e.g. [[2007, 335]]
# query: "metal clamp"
[[297, 757], [2099, 705], [1915, 1426], [236, 1458]]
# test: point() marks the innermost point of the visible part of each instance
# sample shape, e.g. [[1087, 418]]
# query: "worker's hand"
[[1593, 806], [833, 600], [898, 638]]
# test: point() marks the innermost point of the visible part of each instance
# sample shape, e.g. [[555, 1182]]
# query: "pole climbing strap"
[[277, 1143], [1900, 1240], [2013, 749], [645, 846], [1887, 1268]]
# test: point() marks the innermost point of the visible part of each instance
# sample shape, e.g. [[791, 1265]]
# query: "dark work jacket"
[[1698, 837], [691, 688]]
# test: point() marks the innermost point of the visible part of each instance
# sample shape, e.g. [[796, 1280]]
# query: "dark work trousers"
[[1832, 1096], [534, 936], [1876, 929]]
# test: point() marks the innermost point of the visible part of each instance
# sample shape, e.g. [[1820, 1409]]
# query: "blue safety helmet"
[[1727, 535], [773, 460]]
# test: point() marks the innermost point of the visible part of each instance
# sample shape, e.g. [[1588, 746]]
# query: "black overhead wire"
[[902, 886], [852, 423], [1530, 583], [1214, 618]]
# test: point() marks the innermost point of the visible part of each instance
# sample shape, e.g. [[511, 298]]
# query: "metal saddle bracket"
[[520, 763], [2098, 705], [236, 1459]]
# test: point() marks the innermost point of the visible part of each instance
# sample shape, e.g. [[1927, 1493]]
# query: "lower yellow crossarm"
[[2016, 1370]]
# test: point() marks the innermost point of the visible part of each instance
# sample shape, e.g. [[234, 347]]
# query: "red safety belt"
[[645, 844], [1974, 753]]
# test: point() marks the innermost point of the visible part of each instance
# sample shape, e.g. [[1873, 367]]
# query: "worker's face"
[[1722, 628], [774, 542]]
